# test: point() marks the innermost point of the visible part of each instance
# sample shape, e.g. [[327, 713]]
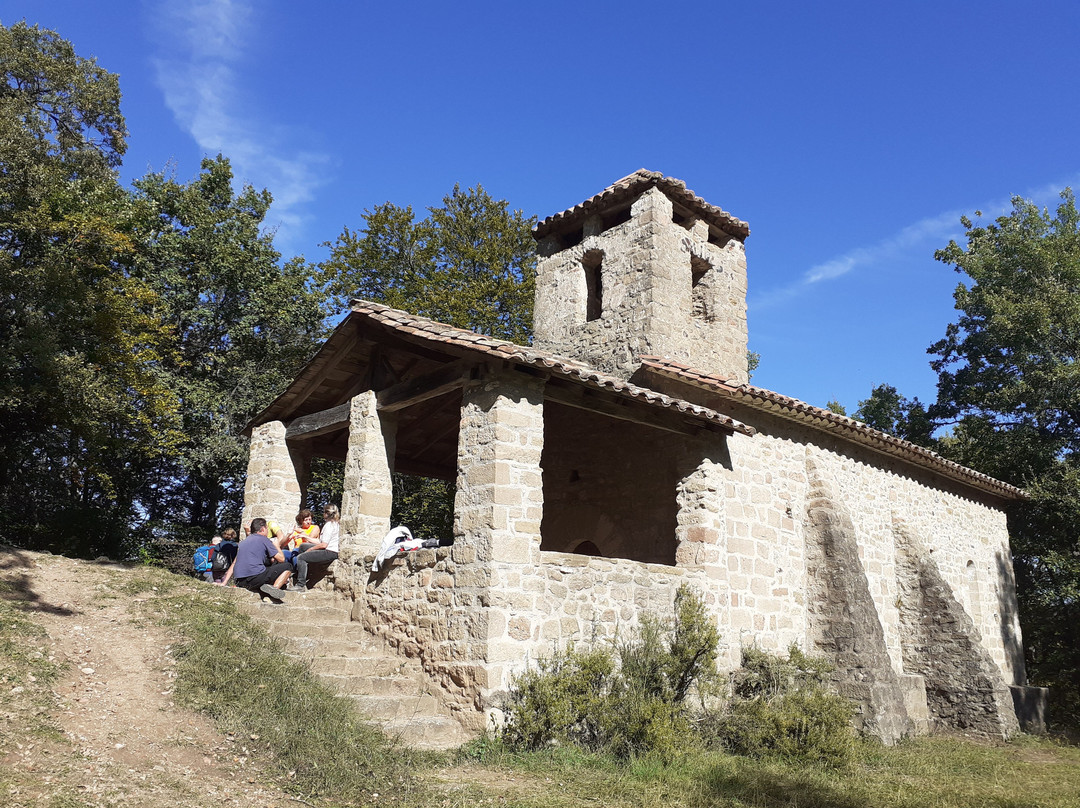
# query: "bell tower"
[[645, 267]]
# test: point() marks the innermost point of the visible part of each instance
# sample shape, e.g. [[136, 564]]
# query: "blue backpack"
[[202, 559]]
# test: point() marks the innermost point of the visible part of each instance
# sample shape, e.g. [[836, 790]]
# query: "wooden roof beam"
[[428, 385], [582, 399], [318, 423]]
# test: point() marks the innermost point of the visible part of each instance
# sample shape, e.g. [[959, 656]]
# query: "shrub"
[[783, 707], [561, 699], [629, 709]]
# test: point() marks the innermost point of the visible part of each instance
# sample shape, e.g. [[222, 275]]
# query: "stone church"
[[625, 453]]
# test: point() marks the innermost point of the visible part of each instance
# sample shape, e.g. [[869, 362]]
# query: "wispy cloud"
[[201, 43], [914, 239]]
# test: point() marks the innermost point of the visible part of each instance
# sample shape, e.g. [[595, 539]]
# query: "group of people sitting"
[[265, 561]]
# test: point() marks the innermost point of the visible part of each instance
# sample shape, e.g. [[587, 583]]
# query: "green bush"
[[629, 709], [783, 707], [562, 699]]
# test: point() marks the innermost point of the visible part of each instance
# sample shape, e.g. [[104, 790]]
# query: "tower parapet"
[[644, 268]]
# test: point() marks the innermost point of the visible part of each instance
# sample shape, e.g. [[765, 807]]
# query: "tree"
[[1009, 380], [891, 412], [84, 406], [471, 264], [243, 325]]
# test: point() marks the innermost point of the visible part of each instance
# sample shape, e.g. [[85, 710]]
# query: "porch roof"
[[378, 348]]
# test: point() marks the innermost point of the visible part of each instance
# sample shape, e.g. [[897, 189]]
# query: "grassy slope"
[[228, 668]]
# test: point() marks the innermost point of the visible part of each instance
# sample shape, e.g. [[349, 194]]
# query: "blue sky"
[[850, 135]]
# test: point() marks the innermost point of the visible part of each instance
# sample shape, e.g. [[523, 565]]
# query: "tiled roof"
[[827, 421], [431, 330], [635, 184]]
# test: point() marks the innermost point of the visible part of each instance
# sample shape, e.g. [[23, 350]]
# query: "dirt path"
[[123, 742]]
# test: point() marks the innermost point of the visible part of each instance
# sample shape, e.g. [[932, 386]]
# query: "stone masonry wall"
[[768, 493], [433, 606], [567, 598], [440, 606], [272, 489], [940, 642], [746, 537], [650, 302], [843, 622]]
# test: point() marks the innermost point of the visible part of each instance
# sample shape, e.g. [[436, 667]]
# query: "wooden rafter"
[[425, 386]]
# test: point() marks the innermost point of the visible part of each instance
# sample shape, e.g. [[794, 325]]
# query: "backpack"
[[219, 561], [202, 558]]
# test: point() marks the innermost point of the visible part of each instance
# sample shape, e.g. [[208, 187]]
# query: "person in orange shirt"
[[305, 535]]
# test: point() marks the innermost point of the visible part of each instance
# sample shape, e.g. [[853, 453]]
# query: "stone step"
[[398, 708], [291, 612], [312, 647], [314, 615], [389, 689], [370, 665], [434, 733], [365, 664], [398, 687], [290, 629]]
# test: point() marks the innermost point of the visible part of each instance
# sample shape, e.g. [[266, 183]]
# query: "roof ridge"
[[691, 376], [625, 186]]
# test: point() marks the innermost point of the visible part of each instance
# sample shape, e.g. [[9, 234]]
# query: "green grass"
[[273, 706], [26, 671], [951, 773]]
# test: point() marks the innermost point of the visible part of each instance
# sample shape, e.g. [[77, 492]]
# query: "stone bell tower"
[[645, 267]]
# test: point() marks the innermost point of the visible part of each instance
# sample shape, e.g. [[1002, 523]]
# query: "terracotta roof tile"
[[568, 368], [816, 417], [633, 185]]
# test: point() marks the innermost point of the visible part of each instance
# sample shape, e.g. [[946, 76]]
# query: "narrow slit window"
[[591, 264], [700, 280]]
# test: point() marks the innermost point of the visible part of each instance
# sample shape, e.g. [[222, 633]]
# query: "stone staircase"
[[390, 690]]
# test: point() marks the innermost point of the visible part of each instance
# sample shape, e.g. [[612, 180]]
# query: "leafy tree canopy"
[[470, 263], [1009, 381], [83, 402], [1011, 356], [243, 325], [891, 412], [139, 329]]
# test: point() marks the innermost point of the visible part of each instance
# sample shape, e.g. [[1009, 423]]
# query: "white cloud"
[[201, 43], [936, 228], [914, 239]]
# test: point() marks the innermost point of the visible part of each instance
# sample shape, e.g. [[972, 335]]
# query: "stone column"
[[369, 492], [500, 497], [497, 512], [701, 536], [272, 490]]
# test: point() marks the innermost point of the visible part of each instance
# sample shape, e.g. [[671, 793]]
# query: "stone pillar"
[[369, 492], [497, 512], [272, 490], [699, 531], [500, 496], [701, 538]]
